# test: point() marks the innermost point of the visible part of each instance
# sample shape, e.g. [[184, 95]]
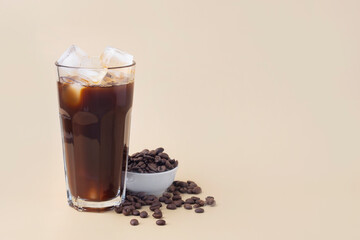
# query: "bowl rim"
[[152, 174]]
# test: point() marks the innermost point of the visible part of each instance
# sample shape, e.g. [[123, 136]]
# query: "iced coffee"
[[95, 100]]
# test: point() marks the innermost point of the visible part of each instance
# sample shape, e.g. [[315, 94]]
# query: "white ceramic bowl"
[[150, 183]]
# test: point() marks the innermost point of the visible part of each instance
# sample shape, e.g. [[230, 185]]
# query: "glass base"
[[89, 206]]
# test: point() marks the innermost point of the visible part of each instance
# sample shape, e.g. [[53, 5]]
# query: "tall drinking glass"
[[95, 126]]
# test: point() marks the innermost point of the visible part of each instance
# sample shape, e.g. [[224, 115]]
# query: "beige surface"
[[259, 101]]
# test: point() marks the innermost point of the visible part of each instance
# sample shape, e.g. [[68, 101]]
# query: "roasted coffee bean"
[[135, 213], [178, 203], [134, 222], [127, 211], [196, 190], [183, 190], [143, 214], [153, 208], [164, 155], [195, 198], [196, 205], [151, 161], [190, 201], [157, 214], [157, 203], [171, 188], [118, 209], [189, 191], [187, 206], [159, 150], [168, 201], [176, 193], [137, 205], [199, 210], [162, 199], [200, 202], [160, 222], [210, 202], [176, 197], [167, 195], [127, 203], [171, 206]]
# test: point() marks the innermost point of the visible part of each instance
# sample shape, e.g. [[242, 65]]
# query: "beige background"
[[258, 100]]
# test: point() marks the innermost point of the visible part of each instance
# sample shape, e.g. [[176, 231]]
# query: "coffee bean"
[[195, 198], [210, 202], [183, 190], [200, 202], [196, 206], [167, 195], [153, 208], [176, 193], [151, 161], [157, 215], [135, 213], [178, 203], [171, 188], [164, 155], [118, 209], [127, 211], [196, 190], [171, 206], [168, 201], [176, 197], [187, 206], [134, 222], [143, 214], [160, 222], [162, 199], [137, 205], [190, 201], [159, 150], [189, 191], [199, 210]]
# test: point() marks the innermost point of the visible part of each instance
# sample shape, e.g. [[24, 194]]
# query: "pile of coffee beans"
[[152, 161], [171, 198]]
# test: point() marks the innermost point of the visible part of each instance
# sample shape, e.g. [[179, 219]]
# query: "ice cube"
[[72, 57], [112, 57], [88, 69], [92, 70]]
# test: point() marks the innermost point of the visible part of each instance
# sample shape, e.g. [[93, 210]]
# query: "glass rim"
[[92, 68]]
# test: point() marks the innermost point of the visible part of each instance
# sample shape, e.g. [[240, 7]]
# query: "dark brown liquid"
[[95, 127]]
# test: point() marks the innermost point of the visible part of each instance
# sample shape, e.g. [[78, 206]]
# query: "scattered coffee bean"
[[196, 190], [160, 222], [201, 202], [127, 211], [172, 197], [151, 161], [171, 206], [187, 206], [157, 214], [143, 214], [135, 212], [199, 210], [118, 209], [176, 197], [134, 222], [210, 201], [167, 195]]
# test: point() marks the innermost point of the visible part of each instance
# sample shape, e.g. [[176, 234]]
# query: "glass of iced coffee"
[[95, 101]]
